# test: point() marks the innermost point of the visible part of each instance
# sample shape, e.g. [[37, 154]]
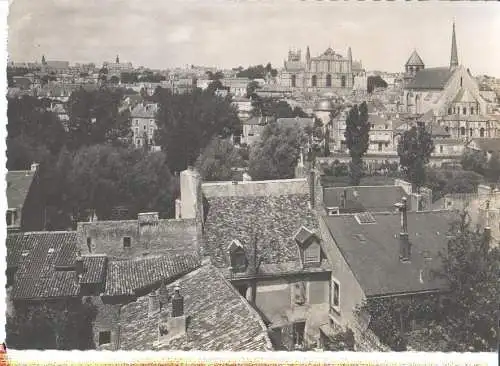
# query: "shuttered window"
[[312, 253]]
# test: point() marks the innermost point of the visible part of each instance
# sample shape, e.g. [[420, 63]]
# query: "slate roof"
[[275, 219], [35, 255], [94, 268], [414, 60], [464, 96], [432, 78], [130, 276], [378, 252], [373, 199], [18, 186], [219, 318]]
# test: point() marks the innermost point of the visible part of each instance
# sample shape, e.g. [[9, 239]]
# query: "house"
[[236, 86], [383, 255], [243, 106], [200, 311], [143, 124], [263, 236], [25, 210], [252, 129]]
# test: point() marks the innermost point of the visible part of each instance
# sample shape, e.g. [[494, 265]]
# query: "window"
[[294, 81], [342, 81], [89, 244], [312, 253], [144, 127], [379, 146], [137, 122], [333, 211], [461, 81], [127, 242], [386, 126], [336, 295], [299, 293], [471, 110], [449, 110], [447, 129], [328, 80], [464, 110], [10, 218], [104, 337], [386, 144], [462, 131], [481, 132], [441, 148], [138, 142], [471, 131], [314, 80]]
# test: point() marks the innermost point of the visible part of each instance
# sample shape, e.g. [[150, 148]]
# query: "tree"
[[357, 135], [414, 150], [257, 72], [129, 77], [492, 173], [251, 88], [217, 160], [114, 80], [278, 109], [188, 122], [275, 155], [444, 181], [475, 161], [374, 82]]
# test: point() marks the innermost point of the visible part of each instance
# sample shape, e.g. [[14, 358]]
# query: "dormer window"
[[237, 256], [332, 211], [309, 247]]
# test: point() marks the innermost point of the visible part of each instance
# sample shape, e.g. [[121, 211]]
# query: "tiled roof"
[[378, 252], [374, 199], [275, 220], [219, 319], [414, 60], [18, 186], [94, 268], [129, 276], [433, 78], [36, 256]]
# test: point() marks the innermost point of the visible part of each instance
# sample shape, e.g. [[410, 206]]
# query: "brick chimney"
[[191, 205], [153, 304], [404, 242], [174, 326]]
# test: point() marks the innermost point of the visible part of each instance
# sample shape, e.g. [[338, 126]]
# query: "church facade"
[[329, 71], [451, 94]]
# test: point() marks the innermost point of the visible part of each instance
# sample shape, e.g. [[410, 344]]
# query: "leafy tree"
[[414, 150], [215, 75], [374, 82], [188, 122], [357, 136], [278, 109], [275, 155], [43, 326], [444, 181], [475, 161], [257, 72], [217, 160], [251, 88], [114, 80], [129, 77]]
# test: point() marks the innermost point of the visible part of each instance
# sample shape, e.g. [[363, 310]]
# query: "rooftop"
[[128, 277], [18, 186], [364, 198], [272, 219], [431, 78], [374, 248], [487, 144], [414, 60], [218, 318]]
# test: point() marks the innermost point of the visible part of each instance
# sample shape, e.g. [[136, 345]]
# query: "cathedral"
[[450, 93], [329, 71]]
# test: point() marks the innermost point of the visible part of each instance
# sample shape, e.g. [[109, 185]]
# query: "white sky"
[[228, 33]]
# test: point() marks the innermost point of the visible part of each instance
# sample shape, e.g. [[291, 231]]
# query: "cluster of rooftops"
[[269, 221]]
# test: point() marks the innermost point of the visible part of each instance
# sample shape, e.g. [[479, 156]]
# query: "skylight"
[[365, 218]]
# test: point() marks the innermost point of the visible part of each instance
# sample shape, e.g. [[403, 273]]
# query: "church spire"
[[117, 59], [454, 53], [43, 60]]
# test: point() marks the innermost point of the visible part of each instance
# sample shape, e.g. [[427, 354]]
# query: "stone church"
[[451, 94], [329, 71]]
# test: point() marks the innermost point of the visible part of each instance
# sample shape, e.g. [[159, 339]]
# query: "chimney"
[[153, 304], [178, 206], [79, 269], [35, 167], [177, 303], [191, 205], [163, 294], [404, 242], [312, 182]]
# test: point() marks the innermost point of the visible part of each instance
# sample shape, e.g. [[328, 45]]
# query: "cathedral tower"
[[454, 53]]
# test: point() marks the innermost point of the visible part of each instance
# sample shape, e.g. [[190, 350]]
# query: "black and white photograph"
[[252, 176]]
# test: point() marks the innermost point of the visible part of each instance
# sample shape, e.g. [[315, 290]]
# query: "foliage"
[[43, 326], [151, 77], [129, 77], [444, 181], [94, 118], [251, 88], [114, 80], [257, 72], [414, 150], [217, 160], [188, 122], [374, 82], [102, 177], [357, 140], [275, 155], [270, 107], [215, 75], [342, 341]]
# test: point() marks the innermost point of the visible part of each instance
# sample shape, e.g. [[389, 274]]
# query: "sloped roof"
[[414, 60], [275, 220], [301, 122], [431, 78], [18, 186], [219, 318], [144, 111], [464, 96], [129, 276], [487, 144], [364, 198], [378, 253]]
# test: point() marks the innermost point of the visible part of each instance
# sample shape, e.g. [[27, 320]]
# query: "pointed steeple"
[[454, 53], [117, 59], [349, 54], [308, 54], [43, 60]]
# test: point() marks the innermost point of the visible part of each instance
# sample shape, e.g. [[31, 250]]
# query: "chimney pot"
[[153, 304], [177, 303]]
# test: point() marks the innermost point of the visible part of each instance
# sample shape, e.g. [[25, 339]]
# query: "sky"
[[229, 33]]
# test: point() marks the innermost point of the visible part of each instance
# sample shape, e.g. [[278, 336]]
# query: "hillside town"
[[313, 205]]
